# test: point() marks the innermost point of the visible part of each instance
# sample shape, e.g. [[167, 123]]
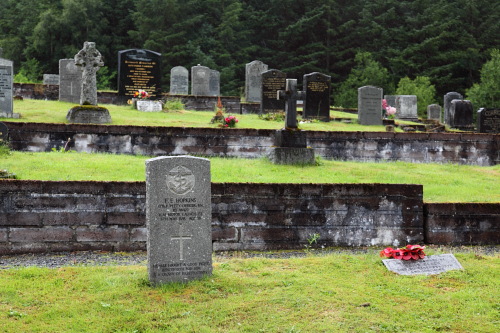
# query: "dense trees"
[[445, 41]]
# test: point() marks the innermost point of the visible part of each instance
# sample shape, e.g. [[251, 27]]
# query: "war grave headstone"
[[214, 83], [253, 81], [435, 264], [447, 104], [179, 81], [370, 105], [6, 89], [273, 80], [89, 60], [406, 107], [461, 115], [70, 81], [488, 120], [139, 69], [434, 112], [51, 79], [178, 218], [290, 144], [317, 96], [200, 81]]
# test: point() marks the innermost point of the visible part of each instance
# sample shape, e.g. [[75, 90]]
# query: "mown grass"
[[327, 293], [55, 112], [442, 182]]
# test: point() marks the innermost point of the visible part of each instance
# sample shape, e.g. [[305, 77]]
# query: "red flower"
[[387, 252], [397, 254]]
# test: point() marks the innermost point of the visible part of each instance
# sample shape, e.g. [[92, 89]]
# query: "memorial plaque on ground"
[[70, 81], [200, 81], [214, 83], [179, 80], [149, 106], [406, 107], [6, 88], [253, 81], [139, 70], [370, 105], [317, 99], [447, 105], [429, 265], [488, 120], [273, 80], [178, 218], [51, 79]]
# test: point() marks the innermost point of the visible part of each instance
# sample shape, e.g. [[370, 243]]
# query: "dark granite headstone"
[[370, 105], [488, 120], [434, 112], [447, 104], [6, 88], [179, 81], [178, 218], [214, 83], [253, 81], [272, 81], [139, 69], [429, 265], [461, 115], [200, 81], [317, 100]]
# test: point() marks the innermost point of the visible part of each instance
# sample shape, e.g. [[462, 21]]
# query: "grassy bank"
[[330, 293], [442, 182]]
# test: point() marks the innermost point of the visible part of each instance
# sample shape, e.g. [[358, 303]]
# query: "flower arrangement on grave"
[[230, 121], [141, 94], [389, 111], [410, 252]]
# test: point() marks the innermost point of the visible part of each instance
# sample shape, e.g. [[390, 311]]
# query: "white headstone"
[[427, 266], [149, 106], [253, 80]]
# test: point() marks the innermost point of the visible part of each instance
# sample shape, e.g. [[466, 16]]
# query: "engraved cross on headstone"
[[291, 95], [90, 61], [181, 239]]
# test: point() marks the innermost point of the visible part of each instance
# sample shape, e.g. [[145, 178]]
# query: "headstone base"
[[290, 139], [10, 115], [88, 114], [288, 155]]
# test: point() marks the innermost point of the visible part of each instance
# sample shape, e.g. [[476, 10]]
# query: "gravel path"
[[96, 258]]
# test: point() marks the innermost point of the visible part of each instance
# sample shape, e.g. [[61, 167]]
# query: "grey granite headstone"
[[179, 80], [178, 218], [429, 265], [51, 79], [488, 120], [317, 96], [461, 114], [272, 81], [370, 105], [6, 88], [90, 61], [447, 104], [253, 80], [391, 100], [406, 107], [70, 81], [434, 112], [149, 106], [200, 81], [214, 83]]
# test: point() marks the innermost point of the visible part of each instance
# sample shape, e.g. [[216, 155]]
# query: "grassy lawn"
[[317, 293], [442, 182]]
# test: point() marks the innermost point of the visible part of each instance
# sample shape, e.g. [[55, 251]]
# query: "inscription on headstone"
[[51, 79], [434, 112], [179, 80], [70, 81], [370, 105], [214, 83], [317, 97], [488, 120], [139, 69], [272, 81], [178, 215], [6, 88], [447, 105], [253, 80], [461, 114], [200, 81], [429, 265]]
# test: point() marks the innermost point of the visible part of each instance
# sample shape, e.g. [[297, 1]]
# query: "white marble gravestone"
[[429, 265]]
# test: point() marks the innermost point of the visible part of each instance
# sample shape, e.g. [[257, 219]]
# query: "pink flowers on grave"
[[388, 110], [410, 252], [230, 121]]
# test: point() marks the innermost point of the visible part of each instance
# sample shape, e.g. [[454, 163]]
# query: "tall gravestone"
[[273, 80], [178, 218], [317, 96], [179, 81], [214, 83], [434, 112], [461, 114], [370, 105], [70, 81], [139, 69], [447, 104], [200, 81], [406, 107], [253, 81], [6, 88], [488, 120]]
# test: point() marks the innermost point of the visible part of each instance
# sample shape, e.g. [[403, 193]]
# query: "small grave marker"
[[149, 106], [429, 265]]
